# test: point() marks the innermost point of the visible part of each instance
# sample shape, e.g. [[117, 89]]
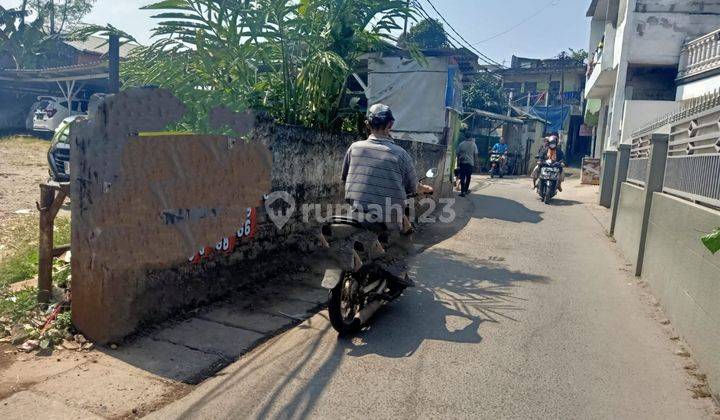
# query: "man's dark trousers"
[[466, 171]]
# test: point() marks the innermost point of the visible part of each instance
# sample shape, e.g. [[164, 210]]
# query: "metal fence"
[[692, 170], [639, 156]]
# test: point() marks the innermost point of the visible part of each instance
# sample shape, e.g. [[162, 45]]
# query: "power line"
[[467, 44], [498, 35]]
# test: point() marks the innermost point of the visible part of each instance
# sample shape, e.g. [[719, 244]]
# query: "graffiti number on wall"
[[227, 245]]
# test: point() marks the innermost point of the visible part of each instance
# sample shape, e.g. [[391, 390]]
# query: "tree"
[[576, 55], [485, 93], [290, 57], [22, 42], [428, 34], [61, 14]]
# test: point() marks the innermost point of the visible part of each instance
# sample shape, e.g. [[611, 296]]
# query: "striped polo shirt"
[[377, 169]]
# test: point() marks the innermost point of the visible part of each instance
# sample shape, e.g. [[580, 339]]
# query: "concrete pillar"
[[653, 184], [621, 168], [607, 176]]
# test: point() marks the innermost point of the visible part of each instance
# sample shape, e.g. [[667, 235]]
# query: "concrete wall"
[[698, 88], [629, 220], [144, 205], [660, 27], [685, 277], [639, 114]]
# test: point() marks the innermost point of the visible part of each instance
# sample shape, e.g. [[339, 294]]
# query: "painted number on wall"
[[227, 245]]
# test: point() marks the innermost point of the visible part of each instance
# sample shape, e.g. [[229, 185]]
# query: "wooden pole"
[[45, 252]]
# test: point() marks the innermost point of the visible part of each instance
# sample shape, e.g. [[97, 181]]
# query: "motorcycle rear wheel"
[[343, 306]]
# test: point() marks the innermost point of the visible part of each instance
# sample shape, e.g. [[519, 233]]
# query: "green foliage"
[[61, 14], [485, 93], [427, 34], [712, 241], [23, 42], [22, 262], [17, 306], [577, 55], [292, 58]]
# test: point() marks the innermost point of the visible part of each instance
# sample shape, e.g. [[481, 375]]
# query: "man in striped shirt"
[[379, 175]]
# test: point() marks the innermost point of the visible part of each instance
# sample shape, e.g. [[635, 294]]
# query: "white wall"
[[639, 114], [698, 88], [657, 38]]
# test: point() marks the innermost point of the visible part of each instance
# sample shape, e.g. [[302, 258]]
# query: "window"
[[530, 87]]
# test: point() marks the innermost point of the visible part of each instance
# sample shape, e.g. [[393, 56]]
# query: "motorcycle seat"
[[376, 227]]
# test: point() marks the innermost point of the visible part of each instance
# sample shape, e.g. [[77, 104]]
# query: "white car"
[[55, 111]]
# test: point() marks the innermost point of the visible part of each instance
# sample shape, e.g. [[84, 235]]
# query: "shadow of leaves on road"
[[456, 294]]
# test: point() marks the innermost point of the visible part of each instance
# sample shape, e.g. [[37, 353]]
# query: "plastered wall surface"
[[629, 220], [685, 277], [148, 210]]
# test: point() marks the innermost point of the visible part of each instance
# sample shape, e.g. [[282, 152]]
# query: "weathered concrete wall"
[[629, 220], [144, 205], [660, 27], [685, 277]]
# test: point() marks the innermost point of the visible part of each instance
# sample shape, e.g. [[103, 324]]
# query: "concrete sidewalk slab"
[[210, 337], [168, 360], [249, 320], [28, 404], [297, 309], [106, 391]]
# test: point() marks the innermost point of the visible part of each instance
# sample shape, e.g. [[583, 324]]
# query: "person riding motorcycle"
[[500, 148], [379, 176], [553, 152]]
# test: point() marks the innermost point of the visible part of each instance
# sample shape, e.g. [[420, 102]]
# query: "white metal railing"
[[700, 55]]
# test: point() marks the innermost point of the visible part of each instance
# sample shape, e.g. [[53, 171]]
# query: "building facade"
[[550, 90], [636, 48]]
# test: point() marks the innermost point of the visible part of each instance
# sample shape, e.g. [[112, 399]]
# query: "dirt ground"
[[23, 166]]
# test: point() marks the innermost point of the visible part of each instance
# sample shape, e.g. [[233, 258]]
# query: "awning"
[[69, 79], [497, 117]]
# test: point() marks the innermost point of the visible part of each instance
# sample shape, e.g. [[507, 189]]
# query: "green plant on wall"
[[291, 58], [712, 241]]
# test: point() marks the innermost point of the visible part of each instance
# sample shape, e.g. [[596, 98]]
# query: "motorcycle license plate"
[[550, 173]]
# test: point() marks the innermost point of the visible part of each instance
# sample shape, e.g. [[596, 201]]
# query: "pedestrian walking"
[[467, 153]]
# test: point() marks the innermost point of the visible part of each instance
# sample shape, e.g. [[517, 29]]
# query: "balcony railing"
[[700, 55]]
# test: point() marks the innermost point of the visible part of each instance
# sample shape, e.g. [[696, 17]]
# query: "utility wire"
[[512, 28], [466, 43]]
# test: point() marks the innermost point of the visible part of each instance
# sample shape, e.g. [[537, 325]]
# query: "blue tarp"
[[555, 115]]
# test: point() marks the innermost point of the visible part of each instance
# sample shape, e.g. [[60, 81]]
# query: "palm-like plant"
[[288, 56]]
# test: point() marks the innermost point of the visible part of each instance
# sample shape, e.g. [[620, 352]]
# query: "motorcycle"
[[358, 281], [549, 178], [497, 165]]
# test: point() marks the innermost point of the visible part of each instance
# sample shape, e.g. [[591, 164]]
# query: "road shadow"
[[499, 208], [456, 294], [563, 203]]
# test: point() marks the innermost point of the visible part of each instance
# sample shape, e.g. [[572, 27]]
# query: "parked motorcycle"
[[497, 165], [359, 282], [549, 178]]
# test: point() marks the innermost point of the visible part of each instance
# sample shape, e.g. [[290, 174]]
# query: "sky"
[[527, 28]]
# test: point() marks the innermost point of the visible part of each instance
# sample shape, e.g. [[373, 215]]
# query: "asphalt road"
[[526, 312]]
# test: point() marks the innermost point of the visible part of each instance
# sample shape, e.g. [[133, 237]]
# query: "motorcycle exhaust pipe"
[[367, 312]]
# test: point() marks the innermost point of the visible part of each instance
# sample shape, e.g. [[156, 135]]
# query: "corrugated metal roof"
[[98, 45]]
